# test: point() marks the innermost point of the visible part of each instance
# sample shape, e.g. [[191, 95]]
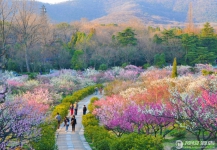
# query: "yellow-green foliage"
[[136, 141], [47, 140], [174, 71], [78, 95], [91, 107], [207, 72], [89, 120], [62, 109]]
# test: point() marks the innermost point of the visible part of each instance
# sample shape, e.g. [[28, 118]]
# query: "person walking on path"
[[96, 90], [58, 118], [76, 108], [84, 110], [71, 109], [66, 123], [73, 123], [100, 90]]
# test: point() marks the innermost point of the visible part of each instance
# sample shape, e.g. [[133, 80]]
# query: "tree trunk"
[[26, 59]]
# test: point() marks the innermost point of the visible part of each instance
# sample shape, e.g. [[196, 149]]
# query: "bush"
[[78, 95], [62, 109], [91, 107], [32, 75], [206, 72], [136, 141], [96, 133], [145, 66], [89, 120], [103, 67], [124, 65], [178, 133], [103, 144], [47, 140]]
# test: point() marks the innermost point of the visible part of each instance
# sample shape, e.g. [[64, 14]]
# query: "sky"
[[51, 1]]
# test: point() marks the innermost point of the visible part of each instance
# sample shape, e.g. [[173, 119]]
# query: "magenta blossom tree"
[[121, 115]]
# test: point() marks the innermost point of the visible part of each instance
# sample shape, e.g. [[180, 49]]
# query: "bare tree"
[[7, 12], [27, 26]]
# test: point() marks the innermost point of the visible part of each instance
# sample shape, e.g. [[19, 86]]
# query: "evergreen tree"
[[207, 31], [159, 60], [127, 37], [76, 60], [174, 72]]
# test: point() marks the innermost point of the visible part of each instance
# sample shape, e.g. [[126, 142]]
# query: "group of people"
[[96, 89], [74, 109], [67, 123], [73, 112]]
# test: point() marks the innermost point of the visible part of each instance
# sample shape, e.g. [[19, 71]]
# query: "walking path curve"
[[74, 140]]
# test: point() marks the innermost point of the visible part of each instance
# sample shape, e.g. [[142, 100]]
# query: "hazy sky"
[[51, 1]]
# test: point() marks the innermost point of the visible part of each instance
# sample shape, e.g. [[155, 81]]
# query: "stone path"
[[74, 140]]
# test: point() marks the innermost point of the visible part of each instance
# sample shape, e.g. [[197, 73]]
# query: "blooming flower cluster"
[[159, 101]]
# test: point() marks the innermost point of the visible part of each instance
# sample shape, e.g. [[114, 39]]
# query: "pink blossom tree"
[[198, 114]]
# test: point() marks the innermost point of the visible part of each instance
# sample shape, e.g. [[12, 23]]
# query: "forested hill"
[[114, 11]]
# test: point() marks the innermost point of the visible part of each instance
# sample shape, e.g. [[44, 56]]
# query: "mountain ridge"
[[111, 11]]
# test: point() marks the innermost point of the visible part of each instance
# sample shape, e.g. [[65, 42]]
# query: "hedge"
[[91, 107], [47, 140]]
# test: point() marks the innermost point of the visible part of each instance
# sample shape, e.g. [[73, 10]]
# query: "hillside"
[[113, 11]]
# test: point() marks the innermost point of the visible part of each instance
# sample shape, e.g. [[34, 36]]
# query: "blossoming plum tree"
[[19, 121]]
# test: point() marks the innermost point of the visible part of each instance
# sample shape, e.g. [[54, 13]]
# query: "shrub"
[[47, 140], [62, 109], [178, 133], [103, 67], [145, 66], [136, 141], [32, 76], [103, 144], [91, 107], [124, 65], [89, 120], [207, 72], [78, 95]]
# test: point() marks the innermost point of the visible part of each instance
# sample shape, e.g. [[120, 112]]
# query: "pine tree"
[[174, 72]]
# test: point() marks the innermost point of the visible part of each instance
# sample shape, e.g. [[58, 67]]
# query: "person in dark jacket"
[[84, 110], [66, 123], [73, 123]]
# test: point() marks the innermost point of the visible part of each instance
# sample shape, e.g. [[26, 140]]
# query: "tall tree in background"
[[27, 26], [7, 12], [190, 21]]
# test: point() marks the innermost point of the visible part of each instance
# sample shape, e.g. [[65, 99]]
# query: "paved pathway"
[[74, 140]]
